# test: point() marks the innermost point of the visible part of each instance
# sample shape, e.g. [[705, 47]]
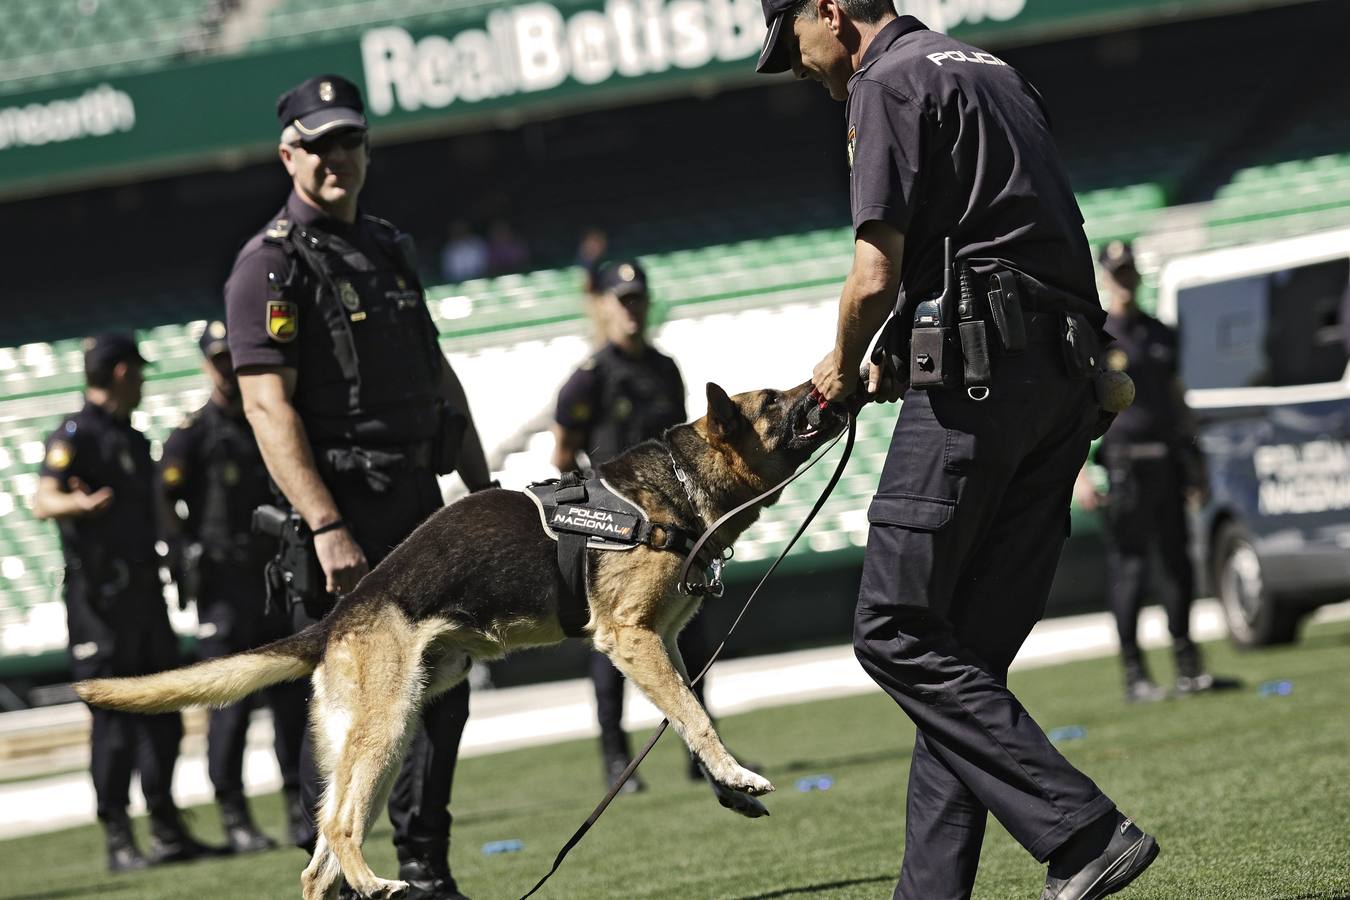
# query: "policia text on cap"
[[947, 142], [355, 410]]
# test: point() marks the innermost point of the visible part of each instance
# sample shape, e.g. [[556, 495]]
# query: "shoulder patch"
[[172, 475], [588, 364], [279, 229], [852, 143], [60, 455], [283, 321]]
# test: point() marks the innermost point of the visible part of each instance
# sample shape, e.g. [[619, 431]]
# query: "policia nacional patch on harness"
[[283, 321]]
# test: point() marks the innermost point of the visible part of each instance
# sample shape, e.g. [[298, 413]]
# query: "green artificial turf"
[[1246, 793]]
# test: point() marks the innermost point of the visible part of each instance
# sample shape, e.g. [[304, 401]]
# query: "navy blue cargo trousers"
[[966, 529]]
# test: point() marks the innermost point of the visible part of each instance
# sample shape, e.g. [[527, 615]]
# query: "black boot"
[[428, 876], [295, 819], [1191, 675], [241, 835], [123, 855], [614, 766], [1139, 687], [170, 841]]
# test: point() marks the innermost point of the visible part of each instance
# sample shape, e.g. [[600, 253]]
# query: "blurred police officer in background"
[[625, 393], [1153, 467], [211, 467], [948, 143], [98, 482], [356, 411]]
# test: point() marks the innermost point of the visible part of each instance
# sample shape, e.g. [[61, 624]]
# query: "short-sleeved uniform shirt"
[[212, 464], [272, 326], [102, 450], [944, 140], [1147, 350], [618, 400]]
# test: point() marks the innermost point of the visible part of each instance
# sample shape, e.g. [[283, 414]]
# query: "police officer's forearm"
[[286, 452], [869, 292]]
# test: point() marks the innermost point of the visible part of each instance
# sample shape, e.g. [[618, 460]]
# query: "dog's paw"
[[384, 889], [740, 803], [747, 782]]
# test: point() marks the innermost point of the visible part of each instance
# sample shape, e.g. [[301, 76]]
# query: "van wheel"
[[1255, 617]]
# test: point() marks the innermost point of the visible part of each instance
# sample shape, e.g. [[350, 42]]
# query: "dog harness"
[[587, 513]]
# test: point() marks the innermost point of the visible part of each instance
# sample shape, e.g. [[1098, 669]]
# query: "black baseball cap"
[[622, 279], [214, 339], [103, 351], [320, 105], [774, 57], [1115, 255]]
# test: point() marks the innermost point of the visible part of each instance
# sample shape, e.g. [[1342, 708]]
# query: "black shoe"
[[428, 879], [1205, 682], [241, 835], [614, 766], [1128, 854], [170, 841], [1143, 690], [123, 855], [296, 830]]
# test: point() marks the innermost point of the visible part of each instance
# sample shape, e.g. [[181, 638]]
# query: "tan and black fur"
[[480, 579]]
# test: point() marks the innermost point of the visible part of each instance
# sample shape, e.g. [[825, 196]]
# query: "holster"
[[450, 427], [294, 574]]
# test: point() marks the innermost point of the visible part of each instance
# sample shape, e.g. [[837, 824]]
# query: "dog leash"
[[851, 432]]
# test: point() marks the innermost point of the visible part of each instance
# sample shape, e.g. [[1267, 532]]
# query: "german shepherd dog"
[[479, 579]]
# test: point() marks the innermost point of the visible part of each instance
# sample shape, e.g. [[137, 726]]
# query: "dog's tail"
[[215, 682]]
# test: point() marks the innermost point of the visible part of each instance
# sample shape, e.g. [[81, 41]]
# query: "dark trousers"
[[966, 530], [608, 683], [116, 635], [419, 802], [232, 612], [1145, 510]]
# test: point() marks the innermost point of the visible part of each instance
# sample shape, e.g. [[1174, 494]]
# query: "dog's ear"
[[723, 416]]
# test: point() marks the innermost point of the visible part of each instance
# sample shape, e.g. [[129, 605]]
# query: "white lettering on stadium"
[[1302, 478], [97, 112], [944, 15], [531, 47]]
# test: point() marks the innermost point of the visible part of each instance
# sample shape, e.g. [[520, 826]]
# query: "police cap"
[[774, 57], [103, 351], [322, 104], [622, 279], [214, 339], [1115, 255]]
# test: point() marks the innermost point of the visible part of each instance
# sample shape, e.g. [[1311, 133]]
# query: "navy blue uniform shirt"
[[944, 140], [617, 400], [1147, 350]]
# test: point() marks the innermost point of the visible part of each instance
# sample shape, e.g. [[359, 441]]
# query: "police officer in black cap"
[[356, 411], [625, 393], [1153, 467], [98, 482], [213, 476], [950, 146]]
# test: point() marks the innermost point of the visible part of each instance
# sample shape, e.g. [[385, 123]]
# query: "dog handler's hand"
[[343, 562], [882, 385], [833, 382]]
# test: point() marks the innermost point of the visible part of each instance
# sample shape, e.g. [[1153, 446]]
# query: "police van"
[[1263, 349]]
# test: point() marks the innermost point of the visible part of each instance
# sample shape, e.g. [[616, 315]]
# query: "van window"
[[1280, 328]]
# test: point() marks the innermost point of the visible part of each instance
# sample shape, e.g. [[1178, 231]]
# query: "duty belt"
[[377, 462], [587, 513]]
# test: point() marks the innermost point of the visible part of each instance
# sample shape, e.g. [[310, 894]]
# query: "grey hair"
[[867, 12], [290, 135]]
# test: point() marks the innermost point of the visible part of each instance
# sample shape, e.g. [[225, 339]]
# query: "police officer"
[[98, 482], [355, 409], [625, 393], [945, 142], [1153, 466], [212, 470]]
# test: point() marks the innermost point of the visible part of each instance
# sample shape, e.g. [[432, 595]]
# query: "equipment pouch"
[[1005, 307], [445, 447], [929, 365], [975, 352], [1082, 347]]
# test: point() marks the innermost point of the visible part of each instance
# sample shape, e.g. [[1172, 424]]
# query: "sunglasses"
[[347, 140]]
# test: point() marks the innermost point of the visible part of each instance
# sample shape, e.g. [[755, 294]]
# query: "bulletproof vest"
[[635, 404], [125, 533], [234, 483], [381, 332]]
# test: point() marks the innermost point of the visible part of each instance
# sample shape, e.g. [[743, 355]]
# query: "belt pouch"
[[1005, 308], [975, 352], [1082, 348], [928, 364]]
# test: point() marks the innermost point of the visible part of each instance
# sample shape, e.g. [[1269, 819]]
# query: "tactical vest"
[[634, 406], [234, 483], [381, 331]]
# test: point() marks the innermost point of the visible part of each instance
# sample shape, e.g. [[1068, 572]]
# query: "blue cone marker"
[[1280, 688], [1067, 733], [815, 783], [492, 848]]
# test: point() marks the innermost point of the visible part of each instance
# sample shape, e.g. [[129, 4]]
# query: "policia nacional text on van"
[[948, 144], [356, 411]]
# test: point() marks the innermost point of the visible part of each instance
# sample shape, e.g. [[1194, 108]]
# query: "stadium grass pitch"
[[1246, 792]]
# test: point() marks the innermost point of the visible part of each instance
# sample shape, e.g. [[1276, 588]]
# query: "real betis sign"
[[534, 47]]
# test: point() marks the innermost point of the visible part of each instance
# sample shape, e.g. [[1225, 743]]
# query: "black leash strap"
[[684, 573]]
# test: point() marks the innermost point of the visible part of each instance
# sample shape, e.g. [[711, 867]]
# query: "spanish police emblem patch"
[[348, 295], [852, 142], [59, 455], [283, 320], [326, 92], [173, 475]]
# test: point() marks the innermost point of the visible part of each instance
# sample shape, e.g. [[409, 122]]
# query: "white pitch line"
[[511, 718]]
